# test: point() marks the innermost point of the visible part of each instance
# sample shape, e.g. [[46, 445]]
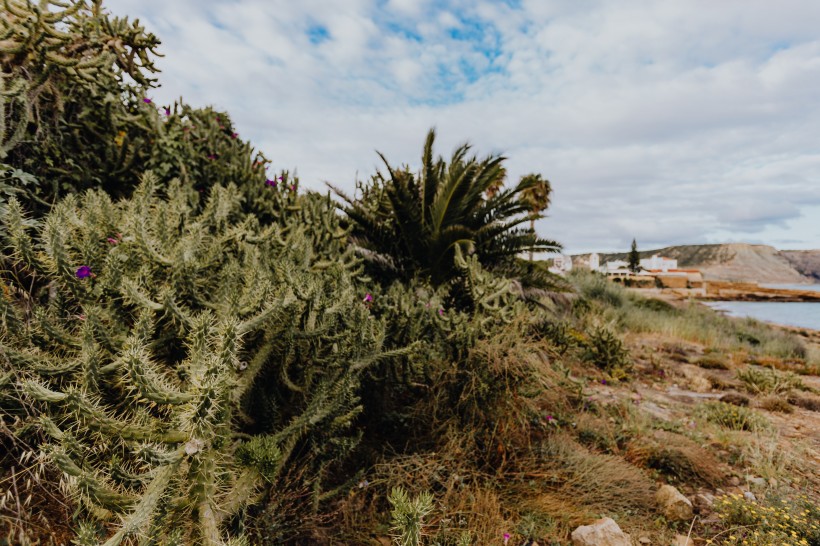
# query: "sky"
[[667, 122]]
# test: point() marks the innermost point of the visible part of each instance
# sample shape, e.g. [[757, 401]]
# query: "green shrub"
[[733, 417], [180, 355], [793, 522], [606, 350], [769, 381], [409, 224], [76, 112], [408, 515], [596, 287]]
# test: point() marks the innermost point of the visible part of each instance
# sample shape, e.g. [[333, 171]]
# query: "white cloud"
[[669, 122]]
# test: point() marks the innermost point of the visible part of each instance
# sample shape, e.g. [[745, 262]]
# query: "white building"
[[658, 263], [561, 265], [594, 261]]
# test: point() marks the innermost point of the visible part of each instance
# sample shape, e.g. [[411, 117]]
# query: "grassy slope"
[[543, 440], [598, 446]]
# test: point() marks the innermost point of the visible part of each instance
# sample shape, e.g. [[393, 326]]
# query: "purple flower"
[[368, 298], [603, 381], [550, 417], [146, 100], [271, 183], [211, 156], [234, 135], [167, 111], [83, 271], [506, 538], [293, 187], [441, 312]]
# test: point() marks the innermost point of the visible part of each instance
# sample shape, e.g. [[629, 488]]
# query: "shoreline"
[[733, 291]]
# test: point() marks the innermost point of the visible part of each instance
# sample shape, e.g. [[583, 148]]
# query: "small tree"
[[634, 258], [536, 194]]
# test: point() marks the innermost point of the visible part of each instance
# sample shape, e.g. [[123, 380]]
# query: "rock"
[[604, 532], [734, 481], [749, 496], [759, 482], [703, 502], [683, 540], [644, 540], [772, 483], [674, 505]]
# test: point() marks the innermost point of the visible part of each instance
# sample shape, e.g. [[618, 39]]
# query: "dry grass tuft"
[[596, 480], [776, 403], [809, 402], [677, 457], [713, 361]]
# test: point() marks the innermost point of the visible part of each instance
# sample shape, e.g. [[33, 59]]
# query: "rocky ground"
[[674, 382]]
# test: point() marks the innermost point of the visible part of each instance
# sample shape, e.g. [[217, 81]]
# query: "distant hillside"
[[739, 262]]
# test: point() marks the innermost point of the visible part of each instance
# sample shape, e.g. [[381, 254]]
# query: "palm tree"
[[409, 224], [537, 195]]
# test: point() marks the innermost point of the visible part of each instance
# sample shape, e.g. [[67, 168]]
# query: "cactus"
[[70, 120], [181, 354]]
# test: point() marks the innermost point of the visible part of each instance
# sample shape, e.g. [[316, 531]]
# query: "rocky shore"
[[748, 291]]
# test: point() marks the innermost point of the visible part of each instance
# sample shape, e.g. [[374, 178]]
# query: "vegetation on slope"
[[194, 352]]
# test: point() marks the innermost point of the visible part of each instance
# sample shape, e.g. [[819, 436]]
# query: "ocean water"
[[800, 314]]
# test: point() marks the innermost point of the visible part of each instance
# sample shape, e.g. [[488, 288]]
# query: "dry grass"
[[775, 403], [32, 510], [595, 480], [713, 361], [809, 402], [677, 457]]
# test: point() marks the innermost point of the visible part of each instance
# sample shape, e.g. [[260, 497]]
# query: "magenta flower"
[[146, 100], [368, 298], [441, 312], [506, 538], [211, 156], [550, 417], [167, 111], [234, 135], [271, 183], [83, 272], [113, 241]]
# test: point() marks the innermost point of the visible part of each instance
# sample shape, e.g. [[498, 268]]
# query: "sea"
[[799, 314]]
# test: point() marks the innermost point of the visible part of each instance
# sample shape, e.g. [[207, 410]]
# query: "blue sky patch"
[[318, 34]]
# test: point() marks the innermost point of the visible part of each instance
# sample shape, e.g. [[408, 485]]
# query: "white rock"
[[749, 496], [604, 532], [674, 505], [683, 540]]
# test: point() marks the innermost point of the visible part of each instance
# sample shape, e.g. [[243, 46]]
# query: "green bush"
[[733, 417], [410, 224], [180, 355], [766, 381], [773, 521], [76, 112], [606, 350]]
